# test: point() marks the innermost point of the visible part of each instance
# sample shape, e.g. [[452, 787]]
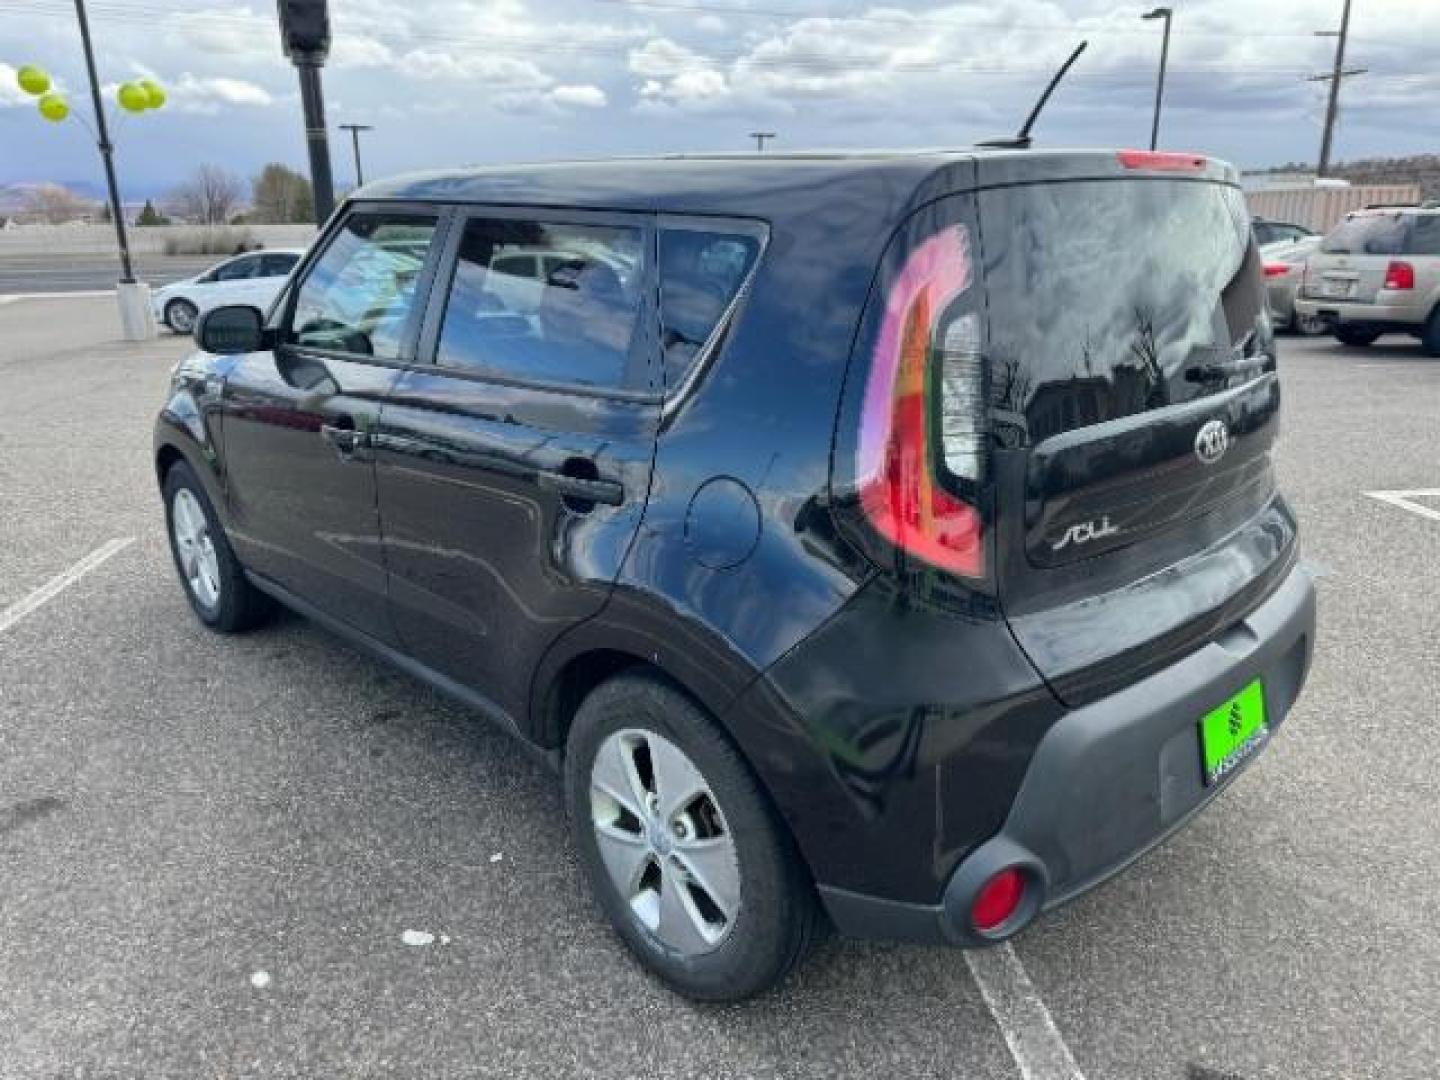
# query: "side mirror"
[[235, 328]]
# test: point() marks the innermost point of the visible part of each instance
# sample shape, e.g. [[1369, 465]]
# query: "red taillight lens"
[[1277, 269], [1399, 276], [1161, 161], [896, 476], [998, 900]]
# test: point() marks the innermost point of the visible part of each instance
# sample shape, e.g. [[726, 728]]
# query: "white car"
[[254, 278]]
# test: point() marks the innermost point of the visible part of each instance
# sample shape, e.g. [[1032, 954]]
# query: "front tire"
[[1355, 338], [214, 581], [680, 845], [181, 316]]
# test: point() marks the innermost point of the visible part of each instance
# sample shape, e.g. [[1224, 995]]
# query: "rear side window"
[[238, 269], [358, 297], [1369, 234], [277, 265], [1425, 237], [701, 273], [546, 302]]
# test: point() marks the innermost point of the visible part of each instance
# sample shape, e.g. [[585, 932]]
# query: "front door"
[[513, 466], [298, 420]]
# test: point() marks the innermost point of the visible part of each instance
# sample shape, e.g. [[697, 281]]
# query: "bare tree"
[[210, 197], [56, 205]]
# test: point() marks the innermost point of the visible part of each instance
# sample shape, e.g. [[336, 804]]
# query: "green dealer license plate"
[[1234, 731]]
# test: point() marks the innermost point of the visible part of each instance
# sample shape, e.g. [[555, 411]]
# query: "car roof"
[[752, 185]]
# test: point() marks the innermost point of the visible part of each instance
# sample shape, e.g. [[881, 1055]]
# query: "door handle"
[[344, 438], [581, 489]]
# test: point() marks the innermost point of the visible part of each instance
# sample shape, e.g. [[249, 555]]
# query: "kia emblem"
[[1211, 441]]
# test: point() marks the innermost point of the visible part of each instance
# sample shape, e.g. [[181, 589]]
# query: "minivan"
[[886, 542]]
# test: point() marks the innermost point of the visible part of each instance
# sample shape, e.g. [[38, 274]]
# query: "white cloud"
[[580, 97], [10, 93], [209, 94]]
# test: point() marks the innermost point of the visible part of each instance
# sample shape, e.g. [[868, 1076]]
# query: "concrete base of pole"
[[137, 322]]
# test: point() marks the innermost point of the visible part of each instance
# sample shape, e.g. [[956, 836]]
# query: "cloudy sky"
[[463, 81]]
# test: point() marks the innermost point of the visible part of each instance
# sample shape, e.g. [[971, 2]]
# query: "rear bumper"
[[1111, 780], [1394, 317]]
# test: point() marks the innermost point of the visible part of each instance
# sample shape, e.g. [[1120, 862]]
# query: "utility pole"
[[107, 150], [305, 35], [1166, 14], [1332, 108], [760, 137], [355, 130]]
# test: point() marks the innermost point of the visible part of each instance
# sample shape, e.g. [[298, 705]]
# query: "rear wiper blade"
[[1234, 361]]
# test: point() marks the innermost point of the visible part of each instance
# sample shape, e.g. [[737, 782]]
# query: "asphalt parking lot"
[[211, 849]]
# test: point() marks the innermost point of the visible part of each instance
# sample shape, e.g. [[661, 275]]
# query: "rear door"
[[1134, 399], [1354, 257], [514, 463]]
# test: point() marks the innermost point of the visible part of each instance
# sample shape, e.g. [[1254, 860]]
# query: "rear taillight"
[[1161, 161], [926, 368], [998, 900], [1399, 276], [1277, 269]]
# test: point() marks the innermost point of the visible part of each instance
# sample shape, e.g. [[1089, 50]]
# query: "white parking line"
[[1405, 500], [1029, 1031], [52, 588], [84, 294]]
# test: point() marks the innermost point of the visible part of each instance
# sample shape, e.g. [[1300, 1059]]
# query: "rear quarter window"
[[701, 273], [1369, 234]]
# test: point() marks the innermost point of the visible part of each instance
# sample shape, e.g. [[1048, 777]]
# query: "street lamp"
[[136, 321], [1160, 13], [355, 130]]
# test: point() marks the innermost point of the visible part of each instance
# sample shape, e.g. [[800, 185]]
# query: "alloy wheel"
[[195, 547]]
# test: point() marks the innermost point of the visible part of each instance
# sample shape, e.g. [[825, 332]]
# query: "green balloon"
[[154, 91], [33, 80], [54, 108], [133, 98]]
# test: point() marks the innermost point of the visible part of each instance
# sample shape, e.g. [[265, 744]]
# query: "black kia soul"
[[887, 538]]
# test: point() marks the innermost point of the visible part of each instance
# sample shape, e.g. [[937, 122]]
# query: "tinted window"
[[700, 274], [359, 295], [576, 324], [1425, 236], [1369, 234], [1107, 297], [238, 269], [277, 265]]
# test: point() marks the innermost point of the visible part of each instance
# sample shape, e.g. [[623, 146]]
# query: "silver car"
[[1378, 273], [1284, 263]]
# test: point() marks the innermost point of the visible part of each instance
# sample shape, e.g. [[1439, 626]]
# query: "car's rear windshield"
[[1106, 297], [1386, 234]]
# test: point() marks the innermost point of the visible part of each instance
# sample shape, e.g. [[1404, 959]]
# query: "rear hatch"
[[1067, 412], [1134, 406], [1355, 257]]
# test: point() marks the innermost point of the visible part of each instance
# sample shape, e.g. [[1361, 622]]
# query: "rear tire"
[[713, 898], [1430, 336], [1356, 338], [213, 579]]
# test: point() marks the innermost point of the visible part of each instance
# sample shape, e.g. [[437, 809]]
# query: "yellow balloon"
[[54, 108], [133, 98], [154, 91], [33, 80]]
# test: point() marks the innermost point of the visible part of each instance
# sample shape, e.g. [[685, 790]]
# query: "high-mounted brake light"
[[896, 469], [1161, 161], [1277, 269], [1399, 276]]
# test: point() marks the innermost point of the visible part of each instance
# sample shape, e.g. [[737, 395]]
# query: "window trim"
[[706, 355], [284, 309], [647, 336]]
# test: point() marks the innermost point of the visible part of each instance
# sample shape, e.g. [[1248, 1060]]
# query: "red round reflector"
[[998, 899]]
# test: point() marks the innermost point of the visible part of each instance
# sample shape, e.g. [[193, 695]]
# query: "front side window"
[[545, 302], [277, 265], [238, 269], [700, 275], [360, 294]]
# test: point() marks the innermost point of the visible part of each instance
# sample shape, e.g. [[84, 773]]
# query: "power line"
[[1336, 76]]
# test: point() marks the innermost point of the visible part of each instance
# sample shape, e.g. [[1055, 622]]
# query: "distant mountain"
[[1422, 169], [15, 197]]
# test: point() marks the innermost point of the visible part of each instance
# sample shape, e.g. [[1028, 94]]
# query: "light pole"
[[760, 137], [1160, 13], [305, 37], [355, 130], [107, 151]]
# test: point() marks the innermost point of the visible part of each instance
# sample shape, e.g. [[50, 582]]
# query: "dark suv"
[[891, 539]]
